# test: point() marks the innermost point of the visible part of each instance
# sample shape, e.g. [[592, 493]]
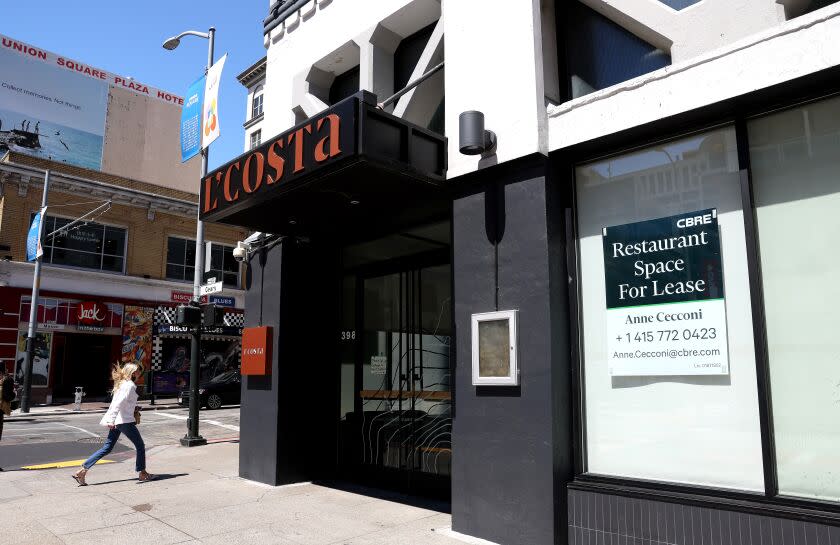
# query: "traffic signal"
[[188, 315], [213, 315]]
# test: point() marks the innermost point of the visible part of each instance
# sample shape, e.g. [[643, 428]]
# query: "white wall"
[[494, 64], [793, 49], [316, 31]]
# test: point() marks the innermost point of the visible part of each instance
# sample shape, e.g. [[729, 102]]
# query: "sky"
[[126, 38]]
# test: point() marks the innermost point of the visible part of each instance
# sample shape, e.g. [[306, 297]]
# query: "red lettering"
[[23, 48], [246, 172], [333, 138], [210, 202], [297, 136], [228, 196], [275, 161]]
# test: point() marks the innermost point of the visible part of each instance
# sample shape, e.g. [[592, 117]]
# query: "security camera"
[[240, 253]]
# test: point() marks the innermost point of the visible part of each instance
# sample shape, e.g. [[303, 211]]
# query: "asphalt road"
[[55, 438]]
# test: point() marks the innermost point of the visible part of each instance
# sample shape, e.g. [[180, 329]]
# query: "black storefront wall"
[[288, 425], [512, 445]]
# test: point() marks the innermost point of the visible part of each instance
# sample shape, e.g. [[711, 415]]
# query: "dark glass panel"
[[230, 264], [602, 53], [112, 263], [115, 241], [174, 272], [72, 258], [344, 85], [175, 250]]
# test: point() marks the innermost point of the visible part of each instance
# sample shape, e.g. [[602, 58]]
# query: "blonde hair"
[[120, 374]]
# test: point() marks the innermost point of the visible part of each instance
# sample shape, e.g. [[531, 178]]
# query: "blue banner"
[[191, 120], [33, 250]]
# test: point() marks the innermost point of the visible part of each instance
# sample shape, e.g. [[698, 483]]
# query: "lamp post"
[[32, 332], [192, 438]]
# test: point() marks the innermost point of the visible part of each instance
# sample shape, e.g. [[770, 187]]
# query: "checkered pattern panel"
[[164, 315], [157, 353], [234, 319]]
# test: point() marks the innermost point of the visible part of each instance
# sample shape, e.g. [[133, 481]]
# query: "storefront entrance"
[[396, 340], [82, 360]]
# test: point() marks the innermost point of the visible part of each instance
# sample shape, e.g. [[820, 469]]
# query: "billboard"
[[60, 109]]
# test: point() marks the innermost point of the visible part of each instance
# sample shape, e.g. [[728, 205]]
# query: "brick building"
[[133, 261]]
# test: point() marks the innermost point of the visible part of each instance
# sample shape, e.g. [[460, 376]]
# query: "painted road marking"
[[80, 429], [66, 463], [211, 422]]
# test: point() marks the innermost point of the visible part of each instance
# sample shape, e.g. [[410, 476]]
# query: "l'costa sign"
[[322, 140]]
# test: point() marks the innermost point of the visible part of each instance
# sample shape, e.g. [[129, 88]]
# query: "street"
[[49, 439]]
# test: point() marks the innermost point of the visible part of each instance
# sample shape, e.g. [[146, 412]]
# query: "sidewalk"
[[199, 499], [91, 407]]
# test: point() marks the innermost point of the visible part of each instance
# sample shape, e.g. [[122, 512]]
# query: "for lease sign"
[[666, 312]]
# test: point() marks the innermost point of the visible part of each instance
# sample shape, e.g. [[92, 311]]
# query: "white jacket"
[[121, 410]]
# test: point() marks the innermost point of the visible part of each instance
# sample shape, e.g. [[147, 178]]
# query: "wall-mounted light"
[[473, 139]]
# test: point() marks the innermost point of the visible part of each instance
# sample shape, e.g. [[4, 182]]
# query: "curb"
[[68, 412]]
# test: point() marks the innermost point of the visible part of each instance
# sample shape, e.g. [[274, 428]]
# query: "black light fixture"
[[473, 139]]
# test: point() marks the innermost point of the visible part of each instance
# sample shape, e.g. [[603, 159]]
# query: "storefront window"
[[88, 245], [795, 164], [668, 359], [180, 261]]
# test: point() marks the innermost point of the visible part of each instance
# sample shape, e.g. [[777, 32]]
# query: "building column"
[[288, 419], [512, 444]]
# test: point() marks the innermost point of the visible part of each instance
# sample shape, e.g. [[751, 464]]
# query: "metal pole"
[[411, 85], [33, 310], [193, 439]]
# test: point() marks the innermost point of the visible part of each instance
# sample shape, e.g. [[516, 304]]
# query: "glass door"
[[401, 418]]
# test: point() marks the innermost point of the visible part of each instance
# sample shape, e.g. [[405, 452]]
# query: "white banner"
[[210, 112]]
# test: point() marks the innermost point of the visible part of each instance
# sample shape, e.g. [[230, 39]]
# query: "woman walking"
[[122, 417]]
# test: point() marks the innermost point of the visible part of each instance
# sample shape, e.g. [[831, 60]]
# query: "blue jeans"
[[130, 430]]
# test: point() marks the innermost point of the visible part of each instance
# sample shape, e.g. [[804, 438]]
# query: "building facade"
[[600, 312], [253, 79]]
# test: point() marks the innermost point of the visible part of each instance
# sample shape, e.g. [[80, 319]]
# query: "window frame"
[[258, 94], [238, 284], [736, 114], [251, 144], [102, 254]]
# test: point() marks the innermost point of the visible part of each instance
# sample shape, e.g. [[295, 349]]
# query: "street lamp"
[[192, 438]]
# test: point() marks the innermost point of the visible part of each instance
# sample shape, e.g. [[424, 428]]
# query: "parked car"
[[223, 389]]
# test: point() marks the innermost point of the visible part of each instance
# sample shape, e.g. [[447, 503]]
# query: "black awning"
[[351, 164]]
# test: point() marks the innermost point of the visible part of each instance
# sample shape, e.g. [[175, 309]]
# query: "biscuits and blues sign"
[[666, 313]]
